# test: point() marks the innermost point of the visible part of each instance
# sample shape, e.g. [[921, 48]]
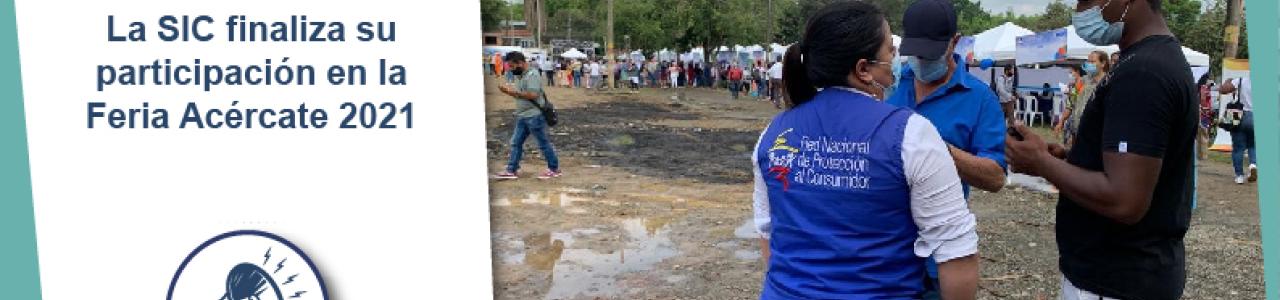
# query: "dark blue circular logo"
[[247, 265]]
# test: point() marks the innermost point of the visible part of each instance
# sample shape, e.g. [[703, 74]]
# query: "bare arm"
[[959, 278], [982, 173], [518, 94], [764, 249], [1121, 192]]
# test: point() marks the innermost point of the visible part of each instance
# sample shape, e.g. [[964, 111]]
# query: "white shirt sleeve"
[[1245, 87], [760, 193], [1002, 89], [947, 230]]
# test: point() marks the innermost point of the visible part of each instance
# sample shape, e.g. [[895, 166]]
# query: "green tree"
[[491, 14]]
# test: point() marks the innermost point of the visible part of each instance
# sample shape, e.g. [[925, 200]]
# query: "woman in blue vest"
[[851, 194]]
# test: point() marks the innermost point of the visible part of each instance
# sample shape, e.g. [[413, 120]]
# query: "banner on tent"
[[1048, 46]]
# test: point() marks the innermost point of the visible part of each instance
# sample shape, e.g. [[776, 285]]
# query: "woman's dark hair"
[[835, 38], [1077, 69]]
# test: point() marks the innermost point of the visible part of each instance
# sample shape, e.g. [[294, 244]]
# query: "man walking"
[[775, 84], [938, 86], [550, 69], [1008, 92], [529, 120], [1242, 134], [735, 80], [1127, 183]]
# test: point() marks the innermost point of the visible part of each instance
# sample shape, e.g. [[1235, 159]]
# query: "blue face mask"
[[1089, 68], [928, 70], [1093, 28]]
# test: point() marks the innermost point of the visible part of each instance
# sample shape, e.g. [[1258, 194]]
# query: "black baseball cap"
[[513, 56], [927, 28]]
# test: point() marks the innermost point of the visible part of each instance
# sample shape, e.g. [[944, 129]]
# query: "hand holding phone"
[[1013, 131]]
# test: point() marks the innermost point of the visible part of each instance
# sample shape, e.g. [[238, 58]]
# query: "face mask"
[[928, 70], [1089, 68], [517, 71], [1091, 27], [886, 92], [897, 72]]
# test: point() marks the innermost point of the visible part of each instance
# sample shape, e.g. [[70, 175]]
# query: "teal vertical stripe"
[[1263, 49], [19, 268]]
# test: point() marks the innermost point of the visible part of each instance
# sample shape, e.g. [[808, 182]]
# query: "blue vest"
[[839, 201]]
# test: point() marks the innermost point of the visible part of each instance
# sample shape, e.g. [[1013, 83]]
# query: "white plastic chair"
[[1031, 113], [1020, 108]]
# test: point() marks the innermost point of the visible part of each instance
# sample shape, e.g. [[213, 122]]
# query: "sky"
[[1023, 7], [1020, 7]]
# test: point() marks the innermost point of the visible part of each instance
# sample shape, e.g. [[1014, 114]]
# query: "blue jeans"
[[733, 89], [537, 126], [1242, 140]]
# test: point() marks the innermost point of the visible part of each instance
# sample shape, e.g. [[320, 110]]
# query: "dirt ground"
[[655, 204]]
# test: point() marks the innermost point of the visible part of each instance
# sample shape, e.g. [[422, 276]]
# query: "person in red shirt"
[[735, 80]]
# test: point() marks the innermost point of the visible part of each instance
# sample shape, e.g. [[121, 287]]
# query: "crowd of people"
[[760, 79]]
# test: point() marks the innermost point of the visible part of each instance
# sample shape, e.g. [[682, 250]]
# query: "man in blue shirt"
[[938, 86]]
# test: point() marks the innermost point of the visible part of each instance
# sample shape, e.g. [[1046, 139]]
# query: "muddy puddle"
[[593, 262], [599, 249]]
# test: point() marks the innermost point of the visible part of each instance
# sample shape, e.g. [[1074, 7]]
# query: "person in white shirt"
[[775, 84], [1006, 91], [550, 70], [1242, 137], [597, 80]]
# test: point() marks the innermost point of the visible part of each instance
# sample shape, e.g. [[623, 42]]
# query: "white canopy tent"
[[573, 53], [777, 52], [1195, 58], [1079, 49], [1000, 43], [724, 54], [695, 55], [666, 55], [755, 52]]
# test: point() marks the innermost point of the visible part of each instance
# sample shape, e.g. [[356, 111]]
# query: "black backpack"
[[548, 111]]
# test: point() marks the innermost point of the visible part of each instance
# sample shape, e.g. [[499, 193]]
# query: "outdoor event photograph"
[[879, 149]]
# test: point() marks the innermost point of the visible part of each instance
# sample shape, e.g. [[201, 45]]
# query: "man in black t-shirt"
[[1126, 185]]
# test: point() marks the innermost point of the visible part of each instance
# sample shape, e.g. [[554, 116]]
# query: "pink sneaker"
[[506, 175], [549, 174]]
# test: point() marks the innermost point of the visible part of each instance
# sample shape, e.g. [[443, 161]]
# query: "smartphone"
[[1013, 131]]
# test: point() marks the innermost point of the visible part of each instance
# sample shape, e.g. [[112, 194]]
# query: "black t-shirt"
[[1147, 106]]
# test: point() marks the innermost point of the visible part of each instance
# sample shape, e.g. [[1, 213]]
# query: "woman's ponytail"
[[796, 78], [834, 40]]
